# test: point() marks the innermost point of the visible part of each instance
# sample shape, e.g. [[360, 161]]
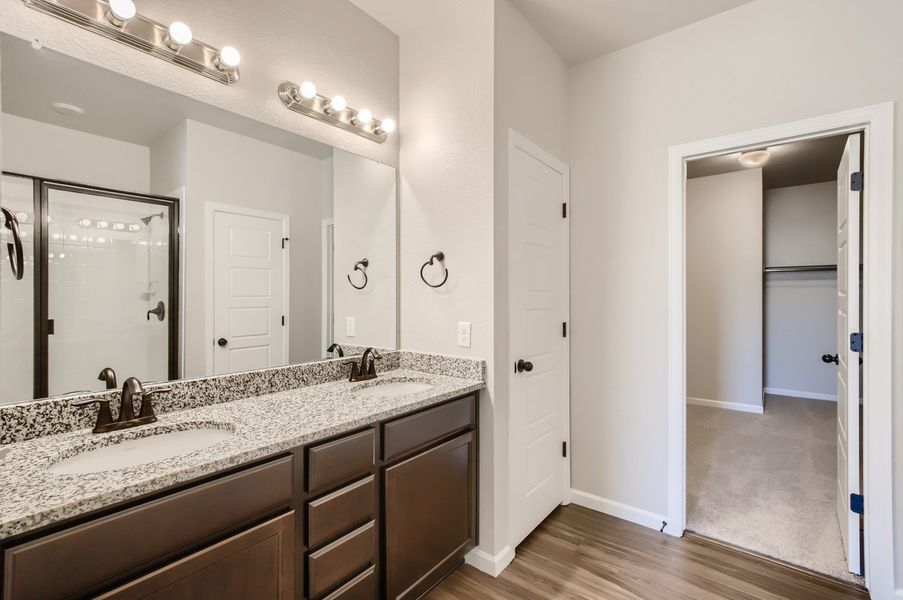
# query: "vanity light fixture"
[[304, 99], [119, 20]]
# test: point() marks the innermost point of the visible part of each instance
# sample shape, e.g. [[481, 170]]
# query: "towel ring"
[[440, 256], [361, 266]]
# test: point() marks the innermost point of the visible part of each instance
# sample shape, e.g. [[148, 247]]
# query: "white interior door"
[[848, 322], [249, 292], [538, 301]]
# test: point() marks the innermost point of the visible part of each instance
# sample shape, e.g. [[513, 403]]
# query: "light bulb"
[[86, 222], [363, 116], [388, 125], [337, 103], [754, 158], [229, 57], [307, 90], [118, 226], [179, 35], [121, 11], [103, 224], [134, 227]]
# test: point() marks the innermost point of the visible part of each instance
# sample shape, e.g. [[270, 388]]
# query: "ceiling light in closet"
[[754, 158]]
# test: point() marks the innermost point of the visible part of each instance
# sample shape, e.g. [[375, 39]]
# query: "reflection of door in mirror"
[[104, 268], [250, 290]]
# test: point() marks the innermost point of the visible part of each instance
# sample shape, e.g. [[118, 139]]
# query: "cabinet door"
[[430, 516], [257, 564]]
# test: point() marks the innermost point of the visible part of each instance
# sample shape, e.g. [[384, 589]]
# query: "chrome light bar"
[[118, 20], [322, 108]]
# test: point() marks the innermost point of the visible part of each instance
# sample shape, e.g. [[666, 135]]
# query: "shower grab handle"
[[160, 311], [14, 248]]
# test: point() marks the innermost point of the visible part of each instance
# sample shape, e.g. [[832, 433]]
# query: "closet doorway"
[[876, 124], [771, 233]]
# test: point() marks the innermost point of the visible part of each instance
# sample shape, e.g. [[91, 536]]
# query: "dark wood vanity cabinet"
[[386, 511]]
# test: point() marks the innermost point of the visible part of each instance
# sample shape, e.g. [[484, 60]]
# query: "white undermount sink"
[[393, 388], [138, 451]]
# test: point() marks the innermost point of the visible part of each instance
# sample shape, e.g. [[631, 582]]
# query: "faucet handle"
[[104, 414], [147, 408]]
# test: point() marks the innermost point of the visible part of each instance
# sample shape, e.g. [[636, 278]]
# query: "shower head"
[[146, 220]]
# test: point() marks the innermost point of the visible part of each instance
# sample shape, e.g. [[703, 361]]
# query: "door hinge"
[[283, 320], [564, 449], [564, 210], [856, 342], [564, 329], [283, 242], [857, 504], [857, 181], [51, 326]]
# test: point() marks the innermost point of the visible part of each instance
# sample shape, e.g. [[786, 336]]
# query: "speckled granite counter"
[[32, 497]]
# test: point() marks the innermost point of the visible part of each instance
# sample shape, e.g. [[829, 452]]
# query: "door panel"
[[249, 290], [848, 368], [538, 271]]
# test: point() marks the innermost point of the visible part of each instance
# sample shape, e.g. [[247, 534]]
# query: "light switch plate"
[[463, 334], [349, 326]]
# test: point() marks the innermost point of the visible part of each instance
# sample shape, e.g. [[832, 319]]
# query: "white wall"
[[227, 168], [330, 42], [446, 200], [801, 308], [714, 77], [364, 202], [724, 288], [34, 148]]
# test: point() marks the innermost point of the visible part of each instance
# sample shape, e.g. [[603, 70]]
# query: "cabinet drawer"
[[341, 511], [362, 587], [258, 563], [331, 464], [424, 428], [77, 560], [340, 560]]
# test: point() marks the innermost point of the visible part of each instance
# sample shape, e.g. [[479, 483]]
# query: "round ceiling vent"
[[67, 109]]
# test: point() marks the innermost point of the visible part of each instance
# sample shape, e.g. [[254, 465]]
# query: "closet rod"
[[799, 268]]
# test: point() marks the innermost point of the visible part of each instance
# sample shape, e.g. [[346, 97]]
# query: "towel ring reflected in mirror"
[[361, 266], [440, 256]]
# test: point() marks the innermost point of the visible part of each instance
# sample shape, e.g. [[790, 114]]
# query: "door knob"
[[524, 365], [222, 342], [830, 358]]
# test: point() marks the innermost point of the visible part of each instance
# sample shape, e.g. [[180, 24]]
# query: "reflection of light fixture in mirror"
[[103, 224], [754, 158], [121, 12], [119, 226], [134, 227], [86, 222], [334, 110], [119, 20], [362, 117]]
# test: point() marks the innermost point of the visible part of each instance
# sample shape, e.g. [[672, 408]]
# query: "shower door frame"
[[41, 192]]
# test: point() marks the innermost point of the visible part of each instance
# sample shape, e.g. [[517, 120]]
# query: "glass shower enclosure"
[[100, 288]]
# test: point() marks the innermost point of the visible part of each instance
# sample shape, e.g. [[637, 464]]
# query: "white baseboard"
[[800, 394], [492, 565], [618, 509], [738, 406]]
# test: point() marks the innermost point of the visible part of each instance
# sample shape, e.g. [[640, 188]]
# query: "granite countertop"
[[31, 496]]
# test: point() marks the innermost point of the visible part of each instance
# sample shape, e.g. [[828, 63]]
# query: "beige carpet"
[[768, 482]]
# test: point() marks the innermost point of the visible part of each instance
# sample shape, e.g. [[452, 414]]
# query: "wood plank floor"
[[580, 553]]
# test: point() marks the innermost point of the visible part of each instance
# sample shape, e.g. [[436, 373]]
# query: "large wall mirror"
[[165, 238]]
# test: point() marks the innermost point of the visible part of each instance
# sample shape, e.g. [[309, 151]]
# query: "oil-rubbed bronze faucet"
[[366, 370], [108, 376], [335, 348], [131, 390]]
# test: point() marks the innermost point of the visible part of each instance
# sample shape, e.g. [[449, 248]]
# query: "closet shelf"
[[798, 268]]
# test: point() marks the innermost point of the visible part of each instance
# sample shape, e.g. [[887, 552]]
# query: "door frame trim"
[[877, 122], [518, 141], [210, 209], [327, 325]]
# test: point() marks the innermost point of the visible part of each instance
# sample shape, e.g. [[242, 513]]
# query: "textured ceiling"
[[798, 163]]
